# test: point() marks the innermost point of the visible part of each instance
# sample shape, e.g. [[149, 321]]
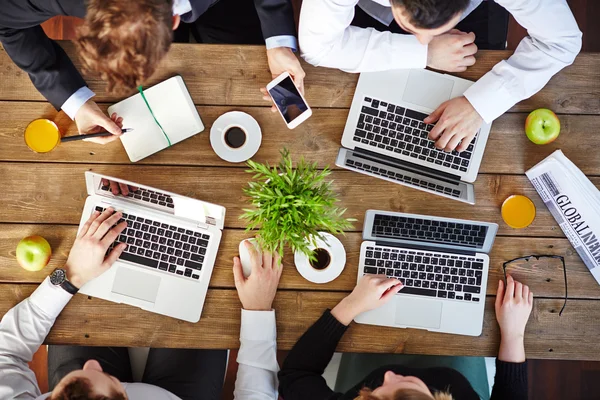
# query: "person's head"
[[428, 18], [124, 41], [89, 383], [399, 387]]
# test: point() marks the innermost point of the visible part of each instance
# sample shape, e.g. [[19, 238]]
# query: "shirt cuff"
[[77, 99], [258, 325], [282, 41], [489, 97], [49, 298]]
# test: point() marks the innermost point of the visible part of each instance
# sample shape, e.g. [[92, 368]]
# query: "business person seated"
[[377, 35], [123, 42], [105, 373], [301, 374]]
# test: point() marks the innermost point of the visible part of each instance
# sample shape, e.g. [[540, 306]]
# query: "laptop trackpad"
[[427, 90], [418, 313], [136, 284]]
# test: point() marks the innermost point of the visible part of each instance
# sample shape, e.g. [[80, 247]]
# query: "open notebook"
[[173, 108]]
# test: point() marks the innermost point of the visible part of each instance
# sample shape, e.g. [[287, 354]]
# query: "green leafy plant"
[[292, 205]]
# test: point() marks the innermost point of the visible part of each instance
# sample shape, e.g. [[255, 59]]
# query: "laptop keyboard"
[[162, 246], [149, 196], [401, 130], [423, 229], [428, 274]]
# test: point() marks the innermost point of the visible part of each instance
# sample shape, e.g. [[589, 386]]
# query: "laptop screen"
[[430, 231], [146, 196]]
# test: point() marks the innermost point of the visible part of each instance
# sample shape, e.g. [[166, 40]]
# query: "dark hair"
[[124, 41], [81, 389], [404, 394], [431, 14]]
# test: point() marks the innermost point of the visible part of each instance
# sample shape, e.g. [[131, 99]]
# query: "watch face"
[[58, 277]]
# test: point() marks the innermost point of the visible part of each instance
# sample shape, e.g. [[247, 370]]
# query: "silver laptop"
[[172, 242], [442, 262], [385, 135]]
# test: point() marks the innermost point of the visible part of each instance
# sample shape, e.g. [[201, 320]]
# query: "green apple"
[[33, 253], [542, 126]]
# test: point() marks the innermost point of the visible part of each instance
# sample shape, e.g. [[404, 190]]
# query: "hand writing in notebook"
[[90, 119]]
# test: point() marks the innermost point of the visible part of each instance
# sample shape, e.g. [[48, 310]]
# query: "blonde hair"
[[405, 394]]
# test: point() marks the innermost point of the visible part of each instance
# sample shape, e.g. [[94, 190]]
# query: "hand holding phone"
[[289, 101]]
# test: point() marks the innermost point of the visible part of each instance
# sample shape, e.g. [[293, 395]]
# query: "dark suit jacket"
[[49, 67]]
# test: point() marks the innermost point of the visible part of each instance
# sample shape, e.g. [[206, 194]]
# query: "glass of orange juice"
[[42, 135], [518, 211]]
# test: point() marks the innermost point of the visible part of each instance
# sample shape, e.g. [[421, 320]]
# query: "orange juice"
[[518, 211], [42, 135]]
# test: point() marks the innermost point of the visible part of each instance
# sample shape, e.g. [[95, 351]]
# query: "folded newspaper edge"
[[574, 202]]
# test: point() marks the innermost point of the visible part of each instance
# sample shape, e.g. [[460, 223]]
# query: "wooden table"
[[44, 194]]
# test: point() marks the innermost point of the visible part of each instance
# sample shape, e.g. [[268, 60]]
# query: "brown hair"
[[81, 389], [404, 394], [124, 41], [431, 14]]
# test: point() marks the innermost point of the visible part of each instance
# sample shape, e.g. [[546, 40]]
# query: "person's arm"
[[328, 40], [277, 23], [53, 74], [50, 69], [22, 331], [553, 42], [279, 30], [514, 302], [257, 358], [24, 328], [301, 374]]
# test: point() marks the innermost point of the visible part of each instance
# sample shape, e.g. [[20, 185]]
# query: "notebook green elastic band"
[[141, 90]]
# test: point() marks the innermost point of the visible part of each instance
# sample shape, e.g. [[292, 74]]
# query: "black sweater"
[[301, 374]]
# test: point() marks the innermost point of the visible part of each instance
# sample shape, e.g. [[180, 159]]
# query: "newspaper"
[[574, 202]]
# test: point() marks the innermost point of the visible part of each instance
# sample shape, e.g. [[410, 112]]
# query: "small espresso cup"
[[323, 259], [234, 136]]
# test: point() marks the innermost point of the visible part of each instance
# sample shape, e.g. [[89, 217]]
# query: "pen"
[[91, 135]]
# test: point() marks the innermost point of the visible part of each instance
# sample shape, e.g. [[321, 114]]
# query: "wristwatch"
[[59, 278]]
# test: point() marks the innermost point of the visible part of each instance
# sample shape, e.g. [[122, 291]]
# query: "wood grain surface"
[[545, 277], [44, 194], [232, 75], [318, 140], [87, 321]]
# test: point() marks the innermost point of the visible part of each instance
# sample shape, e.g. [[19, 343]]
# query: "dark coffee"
[[235, 137], [323, 258]]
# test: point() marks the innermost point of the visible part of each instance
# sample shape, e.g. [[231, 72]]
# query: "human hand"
[[513, 307], [257, 291], [453, 51], [118, 188], [283, 59], [371, 292], [90, 119], [87, 259], [457, 124]]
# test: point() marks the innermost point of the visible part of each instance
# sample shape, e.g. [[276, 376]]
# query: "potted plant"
[[293, 206]]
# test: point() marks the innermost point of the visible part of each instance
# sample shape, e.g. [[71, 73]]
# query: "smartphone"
[[291, 105]]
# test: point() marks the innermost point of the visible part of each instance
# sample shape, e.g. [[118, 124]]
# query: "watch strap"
[[69, 287]]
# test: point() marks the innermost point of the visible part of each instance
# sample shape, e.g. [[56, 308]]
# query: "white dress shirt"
[[24, 327], [327, 39]]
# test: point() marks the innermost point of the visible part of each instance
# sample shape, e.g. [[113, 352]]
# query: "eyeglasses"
[[537, 257]]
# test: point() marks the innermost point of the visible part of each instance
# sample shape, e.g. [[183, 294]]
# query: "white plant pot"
[[337, 260]]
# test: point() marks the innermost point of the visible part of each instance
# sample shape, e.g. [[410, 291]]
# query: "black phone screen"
[[288, 99]]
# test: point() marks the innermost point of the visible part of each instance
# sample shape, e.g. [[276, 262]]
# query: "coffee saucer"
[[230, 120]]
